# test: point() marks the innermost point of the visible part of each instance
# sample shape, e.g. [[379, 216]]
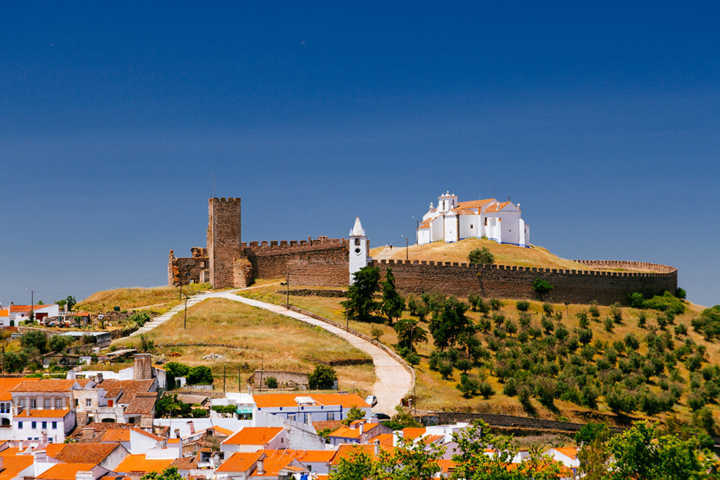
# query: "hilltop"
[[504, 254]]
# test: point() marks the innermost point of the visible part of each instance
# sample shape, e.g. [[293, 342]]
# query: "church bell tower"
[[358, 249]]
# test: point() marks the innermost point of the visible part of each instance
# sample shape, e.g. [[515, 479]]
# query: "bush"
[[542, 287], [594, 310], [631, 342], [547, 308], [495, 304], [445, 370], [681, 293], [615, 314], [522, 305], [200, 375], [486, 390], [609, 324], [582, 319], [510, 387], [322, 378], [708, 323], [468, 386], [271, 382], [481, 256], [620, 401]]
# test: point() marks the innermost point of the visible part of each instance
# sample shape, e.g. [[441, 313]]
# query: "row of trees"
[[34, 345]]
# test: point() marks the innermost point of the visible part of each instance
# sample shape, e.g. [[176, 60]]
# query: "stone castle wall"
[[223, 239], [271, 260]]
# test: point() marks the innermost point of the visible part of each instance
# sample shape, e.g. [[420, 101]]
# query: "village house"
[[43, 410], [311, 407], [12, 315], [452, 221]]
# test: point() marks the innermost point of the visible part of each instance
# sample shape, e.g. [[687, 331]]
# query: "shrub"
[[522, 305], [615, 314], [445, 370], [708, 323], [542, 287], [666, 302], [481, 256], [609, 324], [620, 401], [271, 382], [486, 390], [585, 336], [642, 320], [200, 375], [582, 319], [631, 342], [547, 325], [594, 310], [547, 308], [468, 386], [495, 304], [681, 293], [322, 378], [636, 300], [510, 387]]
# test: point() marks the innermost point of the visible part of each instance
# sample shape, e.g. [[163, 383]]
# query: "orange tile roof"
[[568, 451], [65, 471], [240, 462], [44, 385], [496, 207], [253, 436], [316, 456], [8, 383], [346, 432], [411, 433], [428, 439], [9, 451], [52, 449], [425, 223], [446, 465], [87, 452], [348, 450], [221, 430], [173, 440], [116, 435], [346, 400], [138, 463], [276, 460], [475, 203], [3, 313], [42, 413], [13, 465], [384, 439]]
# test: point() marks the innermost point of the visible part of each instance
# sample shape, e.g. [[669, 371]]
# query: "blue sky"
[[116, 124]]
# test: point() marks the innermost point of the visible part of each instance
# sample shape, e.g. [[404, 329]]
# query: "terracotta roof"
[[411, 433], [116, 435], [13, 465], [65, 471], [138, 463], [9, 451], [221, 431], [568, 451], [496, 207], [185, 463], [346, 432], [316, 456], [348, 450], [425, 223], [52, 449], [475, 203], [253, 436], [143, 403], [240, 462], [446, 465], [276, 460], [428, 439], [3, 313], [346, 400], [40, 413], [384, 439], [89, 452], [8, 383], [44, 385], [173, 440], [114, 477], [327, 425], [127, 389]]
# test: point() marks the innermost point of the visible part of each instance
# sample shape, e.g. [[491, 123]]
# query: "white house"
[[14, 314], [451, 221], [43, 410], [310, 407]]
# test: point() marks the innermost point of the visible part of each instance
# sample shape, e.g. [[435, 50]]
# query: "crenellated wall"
[[182, 271], [271, 260]]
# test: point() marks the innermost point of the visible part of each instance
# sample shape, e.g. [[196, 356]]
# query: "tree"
[[322, 378], [170, 473], [409, 332], [376, 333], [392, 303], [70, 302], [360, 303], [35, 339], [200, 375], [481, 256], [359, 466], [170, 406], [15, 362], [447, 325], [401, 419], [353, 414], [542, 287], [58, 343], [271, 382]]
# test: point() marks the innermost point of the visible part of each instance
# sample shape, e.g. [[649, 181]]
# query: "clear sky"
[[117, 124]]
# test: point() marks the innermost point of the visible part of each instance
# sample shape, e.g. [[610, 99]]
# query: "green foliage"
[[449, 323], [681, 293], [590, 432], [376, 333], [58, 343], [409, 332], [609, 324], [271, 382], [35, 340], [547, 309], [392, 303], [353, 414], [542, 287], [495, 304], [139, 318], [481, 256], [360, 303], [417, 308], [70, 302], [666, 302], [402, 419], [225, 409], [620, 400], [708, 323], [170, 406], [522, 305], [15, 362], [322, 378], [146, 344], [174, 370], [468, 386], [594, 310], [170, 473], [200, 375]]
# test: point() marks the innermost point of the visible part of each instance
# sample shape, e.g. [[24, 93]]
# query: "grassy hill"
[[459, 251], [530, 350], [153, 299], [261, 339]]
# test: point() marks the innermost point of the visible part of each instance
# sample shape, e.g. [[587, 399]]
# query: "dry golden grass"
[[153, 299], [261, 339], [435, 393], [459, 251]]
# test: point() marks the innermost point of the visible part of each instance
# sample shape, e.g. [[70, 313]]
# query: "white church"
[[451, 221]]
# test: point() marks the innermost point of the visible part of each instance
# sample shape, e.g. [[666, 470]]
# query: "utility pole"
[[286, 284], [32, 305]]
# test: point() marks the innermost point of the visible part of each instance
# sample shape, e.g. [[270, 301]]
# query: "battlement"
[[198, 252], [224, 200], [659, 270], [278, 247]]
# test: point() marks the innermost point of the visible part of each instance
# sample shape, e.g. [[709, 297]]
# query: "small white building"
[[451, 221], [14, 314]]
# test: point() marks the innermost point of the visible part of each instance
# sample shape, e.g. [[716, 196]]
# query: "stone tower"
[[358, 248], [223, 239]]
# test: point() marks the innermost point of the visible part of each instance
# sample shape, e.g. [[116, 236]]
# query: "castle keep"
[[227, 261]]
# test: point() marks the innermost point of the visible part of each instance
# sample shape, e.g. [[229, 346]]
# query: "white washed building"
[[451, 221]]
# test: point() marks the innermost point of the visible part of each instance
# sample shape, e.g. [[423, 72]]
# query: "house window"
[[471, 226], [88, 402], [54, 425], [44, 425], [33, 403], [357, 241], [59, 403], [331, 416], [110, 403], [33, 425], [47, 404], [20, 425], [486, 221]]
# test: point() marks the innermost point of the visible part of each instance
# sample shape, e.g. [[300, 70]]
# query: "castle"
[[227, 261], [451, 221]]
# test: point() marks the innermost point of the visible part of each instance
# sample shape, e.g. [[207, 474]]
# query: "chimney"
[[84, 475], [177, 433], [362, 428], [99, 378], [377, 448], [142, 368], [260, 468], [192, 427]]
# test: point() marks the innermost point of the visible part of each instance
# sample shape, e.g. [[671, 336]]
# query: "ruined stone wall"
[[319, 271], [272, 259], [223, 240], [183, 271], [574, 286]]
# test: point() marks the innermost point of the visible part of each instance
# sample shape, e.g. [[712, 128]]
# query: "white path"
[[392, 380]]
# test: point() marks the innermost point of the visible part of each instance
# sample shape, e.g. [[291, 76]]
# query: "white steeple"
[[357, 230], [357, 249]]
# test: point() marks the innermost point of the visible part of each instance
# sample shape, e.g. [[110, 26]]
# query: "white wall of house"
[[280, 441], [34, 428], [451, 228]]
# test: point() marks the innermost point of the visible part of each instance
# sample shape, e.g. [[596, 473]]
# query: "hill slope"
[[459, 251]]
